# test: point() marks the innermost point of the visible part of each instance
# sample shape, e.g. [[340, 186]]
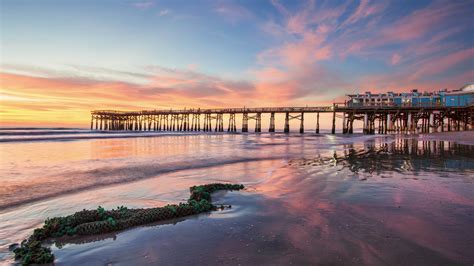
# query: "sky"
[[62, 59]]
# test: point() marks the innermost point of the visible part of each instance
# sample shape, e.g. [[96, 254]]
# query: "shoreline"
[[461, 137]]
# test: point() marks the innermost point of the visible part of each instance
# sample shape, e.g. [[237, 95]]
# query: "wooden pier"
[[376, 119]]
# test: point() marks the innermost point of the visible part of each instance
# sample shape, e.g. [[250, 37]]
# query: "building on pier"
[[461, 97], [456, 98]]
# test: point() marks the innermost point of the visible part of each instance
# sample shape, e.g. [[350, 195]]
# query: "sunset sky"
[[62, 59]]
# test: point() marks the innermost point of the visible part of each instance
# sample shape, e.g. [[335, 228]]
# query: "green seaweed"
[[31, 252], [99, 221]]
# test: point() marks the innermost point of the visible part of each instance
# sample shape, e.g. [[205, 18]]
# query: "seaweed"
[[100, 221]]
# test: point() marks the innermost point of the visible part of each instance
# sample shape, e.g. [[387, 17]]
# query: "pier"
[[375, 119]]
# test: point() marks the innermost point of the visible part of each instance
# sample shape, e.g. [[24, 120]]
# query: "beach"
[[309, 199]]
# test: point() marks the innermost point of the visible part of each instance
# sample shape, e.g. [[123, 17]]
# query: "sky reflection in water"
[[309, 200]]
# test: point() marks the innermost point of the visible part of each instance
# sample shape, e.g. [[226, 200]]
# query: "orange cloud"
[[53, 101]]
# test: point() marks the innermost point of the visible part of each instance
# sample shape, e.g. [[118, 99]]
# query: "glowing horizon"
[[60, 60]]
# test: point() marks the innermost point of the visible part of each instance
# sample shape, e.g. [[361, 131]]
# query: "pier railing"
[[220, 110]]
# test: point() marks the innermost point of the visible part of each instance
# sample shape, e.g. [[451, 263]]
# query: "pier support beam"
[[366, 124], [431, 122], [219, 122], [409, 122], [197, 122], [344, 127], [245, 122], [351, 123], [193, 122], [287, 123], [333, 131], [442, 121], [232, 126], [317, 123], [302, 123], [389, 123], [272, 123], [185, 122], [258, 122], [207, 122]]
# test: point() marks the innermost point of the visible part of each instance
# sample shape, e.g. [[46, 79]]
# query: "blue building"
[[461, 97]]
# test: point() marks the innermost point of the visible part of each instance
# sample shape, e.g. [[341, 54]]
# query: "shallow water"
[[309, 199]]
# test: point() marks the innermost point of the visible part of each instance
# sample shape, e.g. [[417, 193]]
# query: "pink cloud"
[[315, 34], [419, 23], [437, 65], [395, 59], [323, 53], [292, 70], [364, 10]]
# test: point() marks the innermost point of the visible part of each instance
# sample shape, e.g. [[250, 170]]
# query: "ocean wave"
[[76, 181]]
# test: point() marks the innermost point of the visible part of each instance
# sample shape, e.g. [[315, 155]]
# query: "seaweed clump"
[[99, 221]]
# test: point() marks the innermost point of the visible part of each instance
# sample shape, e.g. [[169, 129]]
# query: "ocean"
[[309, 199]]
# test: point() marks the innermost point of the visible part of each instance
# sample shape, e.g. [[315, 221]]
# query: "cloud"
[[278, 6], [395, 59], [164, 12], [233, 12], [422, 22], [69, 99], [144, 4], [315, 37], [409, 31], [443, 63], [295, 68], [364, 10], [77, 71]]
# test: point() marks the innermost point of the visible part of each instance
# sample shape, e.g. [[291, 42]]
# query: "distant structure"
[[413, 112], [456, 98]]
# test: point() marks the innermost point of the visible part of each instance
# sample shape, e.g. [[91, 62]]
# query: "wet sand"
[[373, 200]]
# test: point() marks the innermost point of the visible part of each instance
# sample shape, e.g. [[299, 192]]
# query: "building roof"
[[468, 87]]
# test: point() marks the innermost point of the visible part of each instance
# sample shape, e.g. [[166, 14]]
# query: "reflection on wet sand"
[[67, 240], [401, 155], [309, 206], [396, 220]]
